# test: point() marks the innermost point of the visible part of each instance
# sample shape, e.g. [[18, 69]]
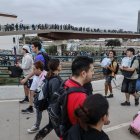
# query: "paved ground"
[[13, 124]]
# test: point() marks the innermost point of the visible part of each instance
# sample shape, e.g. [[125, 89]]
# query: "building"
[[8, 42], [138, 26]]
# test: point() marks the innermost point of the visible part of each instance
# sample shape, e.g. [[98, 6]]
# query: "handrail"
[[65, 73]]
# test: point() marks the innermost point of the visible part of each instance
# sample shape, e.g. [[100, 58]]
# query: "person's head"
[[38, 68], [111, 54], [36, 46], [93, 112], [82, 68], [54, 67], [130, 52], [25, 49]]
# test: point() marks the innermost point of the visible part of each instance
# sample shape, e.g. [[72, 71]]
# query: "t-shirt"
[[39, 57], [37, 80], [135, 65], [77, 133], [74, 100]]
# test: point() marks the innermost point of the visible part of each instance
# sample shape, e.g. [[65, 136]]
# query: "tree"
[[113, 43], [29, 40]]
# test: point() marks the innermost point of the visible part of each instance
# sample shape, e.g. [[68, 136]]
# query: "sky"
[[103, 14]]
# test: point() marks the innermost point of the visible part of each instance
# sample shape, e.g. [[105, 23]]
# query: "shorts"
[[129, 86], [108, 79], [28, 83]]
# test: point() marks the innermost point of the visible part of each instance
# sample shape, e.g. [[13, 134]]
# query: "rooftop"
[[8, 15]]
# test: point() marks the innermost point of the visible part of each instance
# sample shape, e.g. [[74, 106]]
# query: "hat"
[[26, 47]]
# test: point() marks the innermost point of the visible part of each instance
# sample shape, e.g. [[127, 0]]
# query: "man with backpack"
[[44, 58], [129, 69], [70, 96], [109, 72]]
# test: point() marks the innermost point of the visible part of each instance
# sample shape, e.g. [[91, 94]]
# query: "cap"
[[26, 47]]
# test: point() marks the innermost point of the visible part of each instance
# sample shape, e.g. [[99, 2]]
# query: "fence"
[[8, 60]]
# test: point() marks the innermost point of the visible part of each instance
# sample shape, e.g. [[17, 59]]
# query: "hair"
[[93, 109], [39, 65], [131, 50], [37, 44], [81, 63], [25, 50], [114, 53], [53, 65]]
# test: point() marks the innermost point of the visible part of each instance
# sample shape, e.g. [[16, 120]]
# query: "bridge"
[[55, 34]]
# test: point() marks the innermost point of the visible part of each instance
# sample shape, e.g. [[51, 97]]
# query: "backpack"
[[135, 125], [129, 74], [108, 71], [42, 97], [58, 110], [138, 70], [46, 58], [15, 71]]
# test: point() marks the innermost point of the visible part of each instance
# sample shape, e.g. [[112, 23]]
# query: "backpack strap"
[[75, 89], [133, 61], [46, 58]]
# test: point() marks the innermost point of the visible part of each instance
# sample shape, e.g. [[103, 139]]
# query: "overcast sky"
[[104, 14]]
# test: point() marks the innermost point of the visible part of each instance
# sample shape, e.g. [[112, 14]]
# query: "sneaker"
[[125, 103], [136, 101], [33, 129], [25, 100], [110, 96], [28, 110], [42, 134]]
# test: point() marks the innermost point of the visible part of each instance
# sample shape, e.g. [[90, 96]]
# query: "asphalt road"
[[14, 124]]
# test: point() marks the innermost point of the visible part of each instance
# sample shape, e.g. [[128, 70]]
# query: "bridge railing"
[[8, 60]]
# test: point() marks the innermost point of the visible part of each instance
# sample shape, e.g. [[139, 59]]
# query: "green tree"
[[113, 43]]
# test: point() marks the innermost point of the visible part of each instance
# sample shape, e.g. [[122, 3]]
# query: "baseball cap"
[[26, 47]]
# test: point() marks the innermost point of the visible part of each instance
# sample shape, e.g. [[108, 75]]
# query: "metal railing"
[[8, 60]]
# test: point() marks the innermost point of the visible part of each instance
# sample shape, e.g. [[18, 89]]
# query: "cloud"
[[105, 14]]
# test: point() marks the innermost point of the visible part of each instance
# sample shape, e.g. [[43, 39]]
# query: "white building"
[[8, 42]]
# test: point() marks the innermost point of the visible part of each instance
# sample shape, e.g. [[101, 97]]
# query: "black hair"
[[37, 44], [114, 53], [93, 109], [81, 63], [53, 65], [131, 50]]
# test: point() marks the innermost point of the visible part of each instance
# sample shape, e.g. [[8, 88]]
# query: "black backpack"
[[42, 96], [46, 58], [58, 110], [138, 70], [108, 71], [15, 71]]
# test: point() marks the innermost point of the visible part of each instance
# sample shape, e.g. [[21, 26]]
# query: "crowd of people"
[[20, 27], [78, 114]]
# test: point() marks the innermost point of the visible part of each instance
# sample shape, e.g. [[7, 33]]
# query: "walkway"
[[13, 124]]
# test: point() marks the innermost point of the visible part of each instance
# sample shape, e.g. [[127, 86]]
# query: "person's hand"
[[105, 67], [121, 67], [17, 64], [23, 81]]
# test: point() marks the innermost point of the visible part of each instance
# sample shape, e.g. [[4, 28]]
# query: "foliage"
[[29, 40], [51, 50], [113, 43]]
